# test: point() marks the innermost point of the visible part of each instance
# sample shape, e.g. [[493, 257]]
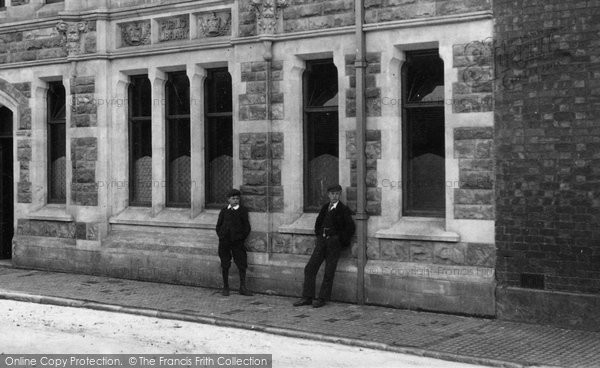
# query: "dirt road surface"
[[29, 328]]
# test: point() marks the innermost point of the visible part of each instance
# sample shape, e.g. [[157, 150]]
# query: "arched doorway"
[[6, 183]]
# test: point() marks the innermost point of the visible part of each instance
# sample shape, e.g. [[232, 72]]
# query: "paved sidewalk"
[[449, 337]]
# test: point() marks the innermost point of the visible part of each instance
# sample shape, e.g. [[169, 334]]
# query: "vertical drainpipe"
[[360, 65], [268, 56]]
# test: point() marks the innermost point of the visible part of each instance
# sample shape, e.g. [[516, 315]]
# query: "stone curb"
[[223, 322]]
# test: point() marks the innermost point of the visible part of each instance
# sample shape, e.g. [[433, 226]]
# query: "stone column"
[[158, 79], [39, 142], [197, 75], [68, 135], [292, 175], [119, 155], [390, 178]]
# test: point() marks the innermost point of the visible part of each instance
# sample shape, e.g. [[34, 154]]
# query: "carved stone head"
[[266, 14], [71, 33], [135, 33]]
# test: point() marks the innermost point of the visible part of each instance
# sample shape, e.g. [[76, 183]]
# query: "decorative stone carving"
[[214, 24], [72, 36], [267, 12], [173, 28], [135, 33]]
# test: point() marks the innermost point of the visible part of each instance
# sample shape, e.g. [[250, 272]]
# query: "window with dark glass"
[[423, 134], [2, 4], [57, 177], [218, 130], [140, 141], [178, 165], [321, 132], [54, 1]]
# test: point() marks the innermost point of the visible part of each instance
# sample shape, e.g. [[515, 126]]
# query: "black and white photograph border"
[[297, 183]]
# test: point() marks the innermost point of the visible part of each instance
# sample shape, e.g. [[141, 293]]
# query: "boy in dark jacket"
[[334, 229], [233, 228]]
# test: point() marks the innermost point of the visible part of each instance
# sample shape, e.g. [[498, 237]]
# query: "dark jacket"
[[343, 225], [233, 225]]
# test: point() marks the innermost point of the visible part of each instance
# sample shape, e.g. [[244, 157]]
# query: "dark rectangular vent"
[[532, 281]]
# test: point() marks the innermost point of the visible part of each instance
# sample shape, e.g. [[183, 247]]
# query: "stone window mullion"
[[158, 81], [197, 76]]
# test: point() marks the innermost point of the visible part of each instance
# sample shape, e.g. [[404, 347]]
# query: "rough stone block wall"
[[84, 151], [43, 43], [257, 242], [246, 19], [474, 90], [373, 153], [440, 276], [56, 229], [303, 245], [437, 253], [38, 44], [83, 102], [253, 103], [261, 155], [390, 10], [84, 188], [474, 197], [302, 15], [547, 138], [372, 92]]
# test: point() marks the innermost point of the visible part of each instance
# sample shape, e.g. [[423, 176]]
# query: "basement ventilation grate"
[[532, 281]]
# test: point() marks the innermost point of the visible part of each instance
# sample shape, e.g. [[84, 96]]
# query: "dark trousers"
[[327, 250], [228, 248]]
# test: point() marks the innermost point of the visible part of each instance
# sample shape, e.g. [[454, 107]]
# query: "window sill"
[[304, 225], [168, 217], [419, 228], [51, 212]]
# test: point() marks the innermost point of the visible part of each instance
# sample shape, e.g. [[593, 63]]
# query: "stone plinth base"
[[568, 310], [181, 260]]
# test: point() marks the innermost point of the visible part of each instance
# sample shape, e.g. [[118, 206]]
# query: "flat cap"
[[334, 188], [233, 193]]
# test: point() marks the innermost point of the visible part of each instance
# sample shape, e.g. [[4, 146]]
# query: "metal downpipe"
[[360, 65]]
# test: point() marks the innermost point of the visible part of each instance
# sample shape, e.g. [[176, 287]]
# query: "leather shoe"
[[303, 301], [244, 291], [318, 303]]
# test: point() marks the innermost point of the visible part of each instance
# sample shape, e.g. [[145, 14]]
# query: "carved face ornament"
[[134, 32], [72, 34], [266, 12]]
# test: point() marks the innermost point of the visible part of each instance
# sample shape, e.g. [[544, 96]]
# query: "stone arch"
[[10, 96], [13, 100], [18, 102], [16, 98]]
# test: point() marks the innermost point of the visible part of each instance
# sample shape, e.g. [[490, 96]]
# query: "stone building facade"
[[129, 117]]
